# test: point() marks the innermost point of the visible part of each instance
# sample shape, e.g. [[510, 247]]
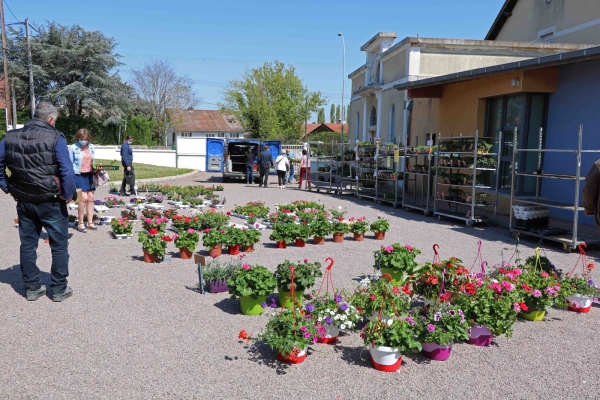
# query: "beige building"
[[550, 21], [378, 110]]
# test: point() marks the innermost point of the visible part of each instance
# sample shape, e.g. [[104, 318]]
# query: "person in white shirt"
[[283, 165]]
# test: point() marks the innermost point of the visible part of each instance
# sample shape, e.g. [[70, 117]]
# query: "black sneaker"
[[33, 295], [68, 292], [123, 194]]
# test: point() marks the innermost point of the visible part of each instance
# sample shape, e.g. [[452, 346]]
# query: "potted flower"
[[169, 214], [158, 223], [213, 240], [380, 227], [233, 239], [491, 309], [359, 227], [580, 291], [186, 242], [283, 232], [480, 198], [129, 215], [339, 229], [333, 312], [388, 341], [215, 275], [147, 213], [398, 261], [538, 290], [304, 278], [249, 238], [121, 228], [320, 228], [381, 299], [438, 327], [301, 234], [457, 280], [338, 214], [252, 285], [290, 334], [153, 244]]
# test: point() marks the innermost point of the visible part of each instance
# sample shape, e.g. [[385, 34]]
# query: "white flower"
[[336, 317], [343, 317], [320, 319], [328, 310], [332, 312], [342, 326]]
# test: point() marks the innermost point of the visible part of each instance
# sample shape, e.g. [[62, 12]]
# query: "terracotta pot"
[[233, 250], [184, 253], [149, 258], [215, 251], [300, 243], [359, 237], [247, 249], [338, 237], [318, 240], [379, 235], [281, 245]]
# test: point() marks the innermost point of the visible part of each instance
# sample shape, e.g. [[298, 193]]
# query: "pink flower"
[[351, 219], [148, 221], [544, 274], [496, 287], [207, 230], [389, 249], [508, 286], [175, 236], [246, 267], [408, 247], [305, 260], [191, 231], [306, 334], [517, 307], [242, 256], [536, 293]]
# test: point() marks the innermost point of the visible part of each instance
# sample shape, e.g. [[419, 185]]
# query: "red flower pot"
[[359, 237], [215, 251], [184, 253], [300, 243], [338, 237], [295, 357], [149, 258], [379, 235], [281, 245], [247, 249], [318, 240], [233, 250]]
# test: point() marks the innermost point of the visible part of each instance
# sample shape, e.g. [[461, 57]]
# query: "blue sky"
[[215, 41]]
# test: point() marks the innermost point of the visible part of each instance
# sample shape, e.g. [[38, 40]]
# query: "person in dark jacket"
[[42, 182], [127, 163], [249, 166], [265, 161], [591, 193]]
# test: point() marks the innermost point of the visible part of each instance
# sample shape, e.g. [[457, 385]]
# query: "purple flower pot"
[[480, 335], [218, 286], [436, 352]]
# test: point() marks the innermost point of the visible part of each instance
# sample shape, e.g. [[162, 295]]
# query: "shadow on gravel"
[[229, 306], [264, 355], [12, 276], [354, 355]]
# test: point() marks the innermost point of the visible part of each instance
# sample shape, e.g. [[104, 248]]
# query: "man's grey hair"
[[45, 110]]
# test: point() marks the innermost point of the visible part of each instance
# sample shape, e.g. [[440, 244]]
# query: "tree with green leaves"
[[332, 114], [271, 101], [72, 66], [321, 116], [338, 117]]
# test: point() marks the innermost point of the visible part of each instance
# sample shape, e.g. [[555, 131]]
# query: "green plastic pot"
[[534, 315], [396, 276], [252, 305], [285, 298]]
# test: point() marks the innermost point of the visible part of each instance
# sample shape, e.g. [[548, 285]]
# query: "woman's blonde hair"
[[83, 133]]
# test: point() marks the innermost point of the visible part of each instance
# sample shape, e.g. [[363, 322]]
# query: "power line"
[[11, 11]]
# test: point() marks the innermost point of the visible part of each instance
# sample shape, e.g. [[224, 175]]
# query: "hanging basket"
[[480, 335], [296, 357], [331, 335], [580, 303], [386, 359], [436, 351]]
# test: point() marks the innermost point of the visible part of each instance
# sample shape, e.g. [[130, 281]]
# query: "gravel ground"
[[134, 330]]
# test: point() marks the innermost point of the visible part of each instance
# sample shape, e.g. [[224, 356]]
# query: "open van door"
[[274, 147], [214, 155]]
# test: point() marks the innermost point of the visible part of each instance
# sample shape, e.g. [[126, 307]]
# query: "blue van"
[[229, 156]]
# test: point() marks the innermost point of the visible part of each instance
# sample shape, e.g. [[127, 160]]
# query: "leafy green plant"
[[399, 258], [187, 239], [381, 296], [338, 213], [302, 232], [212, 220], [250, 237], [381, 225], [332, 309], [283, 232], [339, 227], [289, 333], [304, 275], [443, 324], [252, 281], [213, 237], [154, 244], [216, 271], [256, 209], [233, 236], [359, 225], [397, 334], [121, 226], [320, 228]]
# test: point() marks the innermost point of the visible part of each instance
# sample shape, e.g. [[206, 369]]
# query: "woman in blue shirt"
[[82, 157]]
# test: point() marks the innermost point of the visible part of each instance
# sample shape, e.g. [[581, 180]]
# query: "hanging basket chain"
[[327, 278], [581, 258]]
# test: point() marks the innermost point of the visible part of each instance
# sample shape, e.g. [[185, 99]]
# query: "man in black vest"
[[265, 160], [42, 182]]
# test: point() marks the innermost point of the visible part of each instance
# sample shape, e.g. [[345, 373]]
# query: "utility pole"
[[343, 87], [5, 57], [306, 120], [31, 93]]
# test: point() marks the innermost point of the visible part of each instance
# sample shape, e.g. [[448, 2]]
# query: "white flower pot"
[[387, 359], [154, 206], [331, 335], [580, 303], [123, 236]]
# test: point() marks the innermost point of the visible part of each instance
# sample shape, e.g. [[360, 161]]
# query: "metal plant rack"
[[413, 200]]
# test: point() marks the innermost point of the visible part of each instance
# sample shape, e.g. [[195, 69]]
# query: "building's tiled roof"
[[331, 127], [206, 121]]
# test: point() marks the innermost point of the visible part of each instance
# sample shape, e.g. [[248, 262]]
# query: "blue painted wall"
[[577, 101]]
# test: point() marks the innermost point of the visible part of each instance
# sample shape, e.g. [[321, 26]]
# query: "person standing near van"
[[290, 174], [249, 167], [265, 161], [591, 193], [304, 169], [283, 166], [127, 163]]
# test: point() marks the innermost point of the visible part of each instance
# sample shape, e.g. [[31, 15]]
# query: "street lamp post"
[[343, 87]]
